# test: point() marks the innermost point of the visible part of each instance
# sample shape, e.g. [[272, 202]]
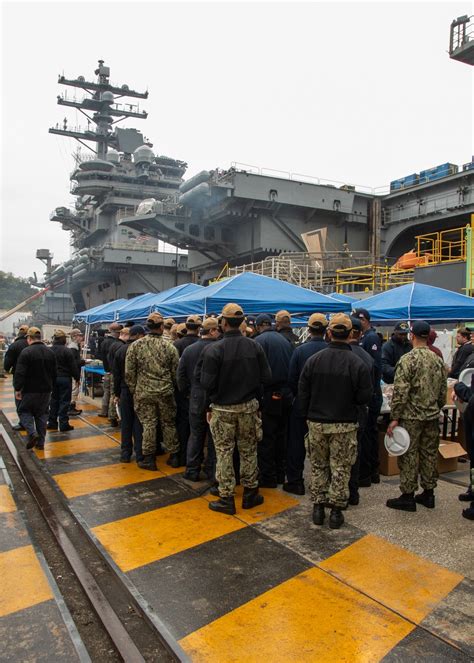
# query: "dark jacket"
[[113, 348], [299, 357], [66, 365], [234, 370], [278, 353], [35, 371], [13, 352], [187, 364], [460, 357], [372, 344], [333, 384], [76, 353], [182, 343], [391, 352], [290, 335], [366, 358], [104, 352], [189, 375], [118, 367]]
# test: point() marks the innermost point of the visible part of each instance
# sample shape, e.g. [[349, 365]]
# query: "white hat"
[[399, 443]]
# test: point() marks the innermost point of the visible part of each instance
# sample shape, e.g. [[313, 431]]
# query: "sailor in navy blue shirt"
[[298, 427], [369, 455], [276, 404]]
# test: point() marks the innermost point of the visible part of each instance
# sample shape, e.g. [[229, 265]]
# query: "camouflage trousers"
[[332, 449], [107, 396], [231, 425], [112, 413], [422, 456], [152, 410]]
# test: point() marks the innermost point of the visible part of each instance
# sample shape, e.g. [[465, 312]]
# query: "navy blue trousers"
[[60, 402], [131, 429]]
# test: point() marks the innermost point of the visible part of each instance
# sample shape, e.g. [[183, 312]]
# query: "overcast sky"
[[354, 92]]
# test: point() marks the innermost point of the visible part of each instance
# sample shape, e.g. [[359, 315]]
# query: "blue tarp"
[[256, 294], [417, 301], [139, 308], [342, 297], [102, 313]]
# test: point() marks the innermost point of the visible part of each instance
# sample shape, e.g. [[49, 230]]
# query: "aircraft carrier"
[[130, 202]]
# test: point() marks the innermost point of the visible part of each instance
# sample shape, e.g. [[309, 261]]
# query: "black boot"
[[406, 502], [214, 490], [18, 427], [319, 514], [114, 422], [251, 498], [468, 496], [66, 428], [295, 487], [192, 475], [173, 460], [353, 499], [73, 411], [469, 512], [223, 505], [426, 498], [375, 478], [365, 482], [32, 440], [336, 518], [148, 463]]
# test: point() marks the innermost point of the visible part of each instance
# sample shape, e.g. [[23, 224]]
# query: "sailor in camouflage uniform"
[[150, 374], [333, 385], [233, 372], [418, 396]]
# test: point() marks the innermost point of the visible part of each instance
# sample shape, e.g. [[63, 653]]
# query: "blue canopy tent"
[[139, 308], [417, 301], [102, 313], [256, 294], [342, 297]]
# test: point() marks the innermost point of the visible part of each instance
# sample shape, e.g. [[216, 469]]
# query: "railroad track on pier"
[[121, 627]]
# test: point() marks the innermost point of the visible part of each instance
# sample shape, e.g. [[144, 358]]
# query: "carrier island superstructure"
[[300, 228]]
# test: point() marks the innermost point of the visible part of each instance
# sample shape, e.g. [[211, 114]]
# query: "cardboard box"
[[388, 464], [448, 455]]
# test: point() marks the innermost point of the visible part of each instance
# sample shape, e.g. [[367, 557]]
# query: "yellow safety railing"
[[371, 278], [439, 247]]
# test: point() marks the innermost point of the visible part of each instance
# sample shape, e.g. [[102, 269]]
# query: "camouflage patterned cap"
[[210, 323], [23, 329], [317, 320], [181, 329], [33, 331], [59, 333], [232, 311], [282, 315], [168, 323], [155, 317], [340, 322]]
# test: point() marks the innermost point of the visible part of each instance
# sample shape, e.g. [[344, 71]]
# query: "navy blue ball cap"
[[421, 329], [356, 323], [137, 329], [263, 319], [361, 313]]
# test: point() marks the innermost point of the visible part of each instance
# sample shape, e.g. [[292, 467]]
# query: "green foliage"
[[14, 289]]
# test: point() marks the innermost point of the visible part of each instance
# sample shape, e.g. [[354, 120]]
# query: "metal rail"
[[125, 646]]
